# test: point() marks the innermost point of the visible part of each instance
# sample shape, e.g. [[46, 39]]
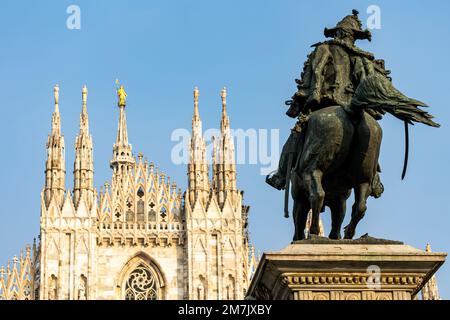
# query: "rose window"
[[141, 285]]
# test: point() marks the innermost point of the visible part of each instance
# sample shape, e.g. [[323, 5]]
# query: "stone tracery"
[[143, 211], [141, 284]]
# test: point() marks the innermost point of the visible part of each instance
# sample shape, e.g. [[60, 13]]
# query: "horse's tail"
[[376, 92]]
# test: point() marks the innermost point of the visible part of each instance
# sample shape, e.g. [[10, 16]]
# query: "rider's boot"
[[277, 179], [377, 187]]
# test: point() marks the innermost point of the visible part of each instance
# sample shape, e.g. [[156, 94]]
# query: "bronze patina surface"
[[334, 147]]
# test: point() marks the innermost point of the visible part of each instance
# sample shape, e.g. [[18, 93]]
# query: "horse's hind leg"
[[338, 207], [358, 210], [313, 184], [300, 216]]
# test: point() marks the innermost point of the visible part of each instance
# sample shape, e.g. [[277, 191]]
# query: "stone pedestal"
[[322, 269]]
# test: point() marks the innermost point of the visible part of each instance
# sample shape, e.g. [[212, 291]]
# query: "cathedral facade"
[[139, 237]]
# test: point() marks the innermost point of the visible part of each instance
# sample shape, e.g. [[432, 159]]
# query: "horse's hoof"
[[314, 230], [298, 238], [349, 233], [335, 236]]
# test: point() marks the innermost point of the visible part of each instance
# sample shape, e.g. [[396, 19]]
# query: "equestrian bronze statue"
[[334, 147]]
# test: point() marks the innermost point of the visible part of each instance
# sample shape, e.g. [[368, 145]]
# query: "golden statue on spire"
[[121, 94]]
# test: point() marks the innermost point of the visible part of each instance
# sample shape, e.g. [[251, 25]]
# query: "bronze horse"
[[340, 153]]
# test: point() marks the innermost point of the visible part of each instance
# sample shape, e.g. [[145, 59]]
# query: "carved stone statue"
[[334, 146], [52, 290], [229, 288], [82, 290], [201, 292], [56, 94]]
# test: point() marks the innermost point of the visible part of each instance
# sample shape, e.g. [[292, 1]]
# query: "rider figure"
[[330, 77]]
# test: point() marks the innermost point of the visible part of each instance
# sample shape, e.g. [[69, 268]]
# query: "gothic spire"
[[122, 161], [56, 117], [55, 167], [214, 182], [122, 132], [84, 119], [83, 171], [227, 144], [197, 167], [196, 113], [225, 121], [226, 168], [196, 121]]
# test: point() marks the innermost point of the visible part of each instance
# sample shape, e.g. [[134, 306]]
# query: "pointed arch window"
[[129, 216], [140, 211], [151, 212], [142, 284], [140, 192], [152, 215]]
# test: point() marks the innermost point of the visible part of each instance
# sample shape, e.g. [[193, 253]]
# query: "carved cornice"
[[160, 240], [348, 279]]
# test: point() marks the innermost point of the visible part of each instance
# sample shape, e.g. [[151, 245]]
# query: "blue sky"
[[160, 50]]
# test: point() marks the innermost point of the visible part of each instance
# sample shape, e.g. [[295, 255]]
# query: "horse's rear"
[[328, 140], [362, 166], [363, 158], [340, 153]]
